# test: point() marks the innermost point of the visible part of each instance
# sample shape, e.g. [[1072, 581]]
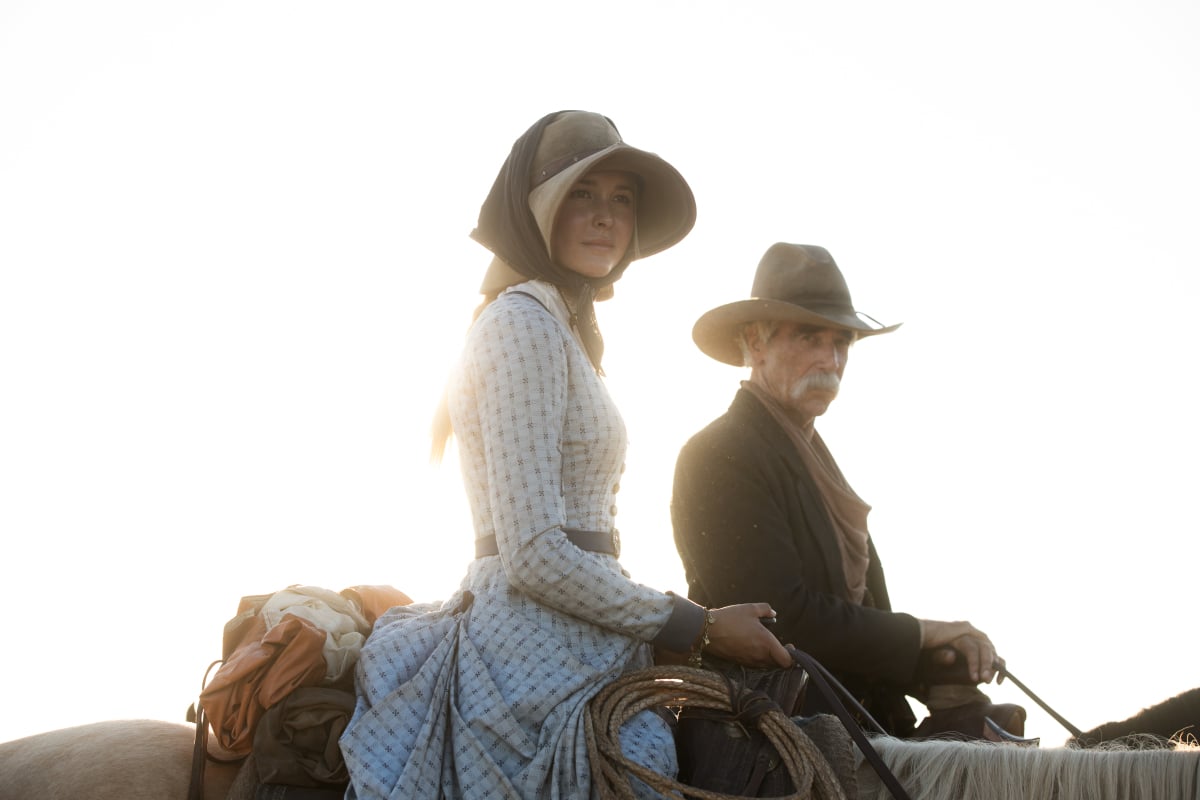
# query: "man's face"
[[801, 367]]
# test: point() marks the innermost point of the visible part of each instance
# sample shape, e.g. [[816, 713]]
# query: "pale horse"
[[114, 760]]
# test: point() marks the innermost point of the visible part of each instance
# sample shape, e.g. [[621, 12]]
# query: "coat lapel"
[[809, 503]]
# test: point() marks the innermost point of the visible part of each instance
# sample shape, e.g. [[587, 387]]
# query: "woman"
[[485, 694]]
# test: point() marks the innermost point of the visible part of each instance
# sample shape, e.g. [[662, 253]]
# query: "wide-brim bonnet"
[[577, 142]]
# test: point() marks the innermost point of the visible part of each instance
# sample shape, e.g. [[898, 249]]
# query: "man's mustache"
[[816, 381]]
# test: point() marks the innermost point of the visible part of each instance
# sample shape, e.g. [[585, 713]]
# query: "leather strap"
[[1059, 718], [200, 744], [825, 681], [592, 541], [199, 755]]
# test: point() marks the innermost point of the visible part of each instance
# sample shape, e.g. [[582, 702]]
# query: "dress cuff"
[[683, 626]]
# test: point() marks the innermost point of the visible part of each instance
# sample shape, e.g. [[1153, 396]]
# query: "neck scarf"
[[846, 510]]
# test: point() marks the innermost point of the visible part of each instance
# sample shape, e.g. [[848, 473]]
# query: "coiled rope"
[[679, 686]]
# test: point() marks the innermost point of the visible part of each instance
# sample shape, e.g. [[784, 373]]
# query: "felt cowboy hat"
[[794, 283], [577, 142]]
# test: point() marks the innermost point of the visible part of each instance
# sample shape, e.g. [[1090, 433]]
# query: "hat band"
[[823, 309], [559, 164]]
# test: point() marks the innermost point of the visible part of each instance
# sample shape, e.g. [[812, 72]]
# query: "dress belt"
[[594, 541]]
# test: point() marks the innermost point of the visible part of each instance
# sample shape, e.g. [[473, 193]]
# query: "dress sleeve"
[[519, 389], [740, 535]]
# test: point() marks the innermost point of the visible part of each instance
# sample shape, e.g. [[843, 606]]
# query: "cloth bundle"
[[296, 742], [284, 690]]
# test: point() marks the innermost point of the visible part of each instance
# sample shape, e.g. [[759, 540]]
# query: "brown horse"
[[1175, 718]]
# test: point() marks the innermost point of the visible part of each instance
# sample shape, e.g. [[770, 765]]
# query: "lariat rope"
[[678, 686]]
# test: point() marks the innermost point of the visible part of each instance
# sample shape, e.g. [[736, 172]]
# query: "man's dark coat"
[[751, 527]]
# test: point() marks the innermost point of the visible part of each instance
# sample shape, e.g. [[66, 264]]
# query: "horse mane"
[[1142, 767]]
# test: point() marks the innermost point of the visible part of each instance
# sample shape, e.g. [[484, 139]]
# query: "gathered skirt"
[[485, 696]]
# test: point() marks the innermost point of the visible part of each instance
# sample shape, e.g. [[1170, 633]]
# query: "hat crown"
[[803, 275], [571, 137], [797, 283]]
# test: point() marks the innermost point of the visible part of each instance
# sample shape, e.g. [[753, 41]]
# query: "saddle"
[[975, 717], [724, 752]]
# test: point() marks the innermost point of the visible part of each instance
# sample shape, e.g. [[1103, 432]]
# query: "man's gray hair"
[[764, 328]]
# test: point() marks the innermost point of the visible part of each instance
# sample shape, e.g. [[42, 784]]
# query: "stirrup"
[[995, 729]]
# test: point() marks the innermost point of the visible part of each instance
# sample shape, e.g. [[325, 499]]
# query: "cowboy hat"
[[794, 283]]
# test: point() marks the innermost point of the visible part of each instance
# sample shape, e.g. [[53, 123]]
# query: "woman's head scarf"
[[516, 219]]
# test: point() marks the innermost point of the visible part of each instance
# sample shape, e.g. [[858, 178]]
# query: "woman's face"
[[595, 223]]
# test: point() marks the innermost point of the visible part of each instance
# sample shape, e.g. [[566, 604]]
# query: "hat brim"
[[716, 332], [666, 207]]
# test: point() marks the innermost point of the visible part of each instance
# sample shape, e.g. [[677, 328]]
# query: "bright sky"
[[234, 272]]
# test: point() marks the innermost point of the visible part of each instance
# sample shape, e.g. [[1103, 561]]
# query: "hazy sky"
[[235, 271]]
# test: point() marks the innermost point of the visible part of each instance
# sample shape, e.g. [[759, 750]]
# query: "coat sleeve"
[[518, 367], [743, 530]]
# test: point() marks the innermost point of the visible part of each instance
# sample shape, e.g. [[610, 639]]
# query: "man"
[[762, 512]]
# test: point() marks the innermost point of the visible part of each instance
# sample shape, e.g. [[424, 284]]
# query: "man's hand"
[[950, 640]]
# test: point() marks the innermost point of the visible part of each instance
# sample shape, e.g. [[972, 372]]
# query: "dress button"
[[616, 488], [613, 510]]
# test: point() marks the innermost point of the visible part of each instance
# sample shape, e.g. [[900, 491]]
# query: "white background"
[[235, 271]]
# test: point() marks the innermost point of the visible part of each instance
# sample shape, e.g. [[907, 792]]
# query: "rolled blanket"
[[374, 600], [296, 742]]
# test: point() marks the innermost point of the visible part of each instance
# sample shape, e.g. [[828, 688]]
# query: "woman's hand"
[[738, 634], [963, 639]]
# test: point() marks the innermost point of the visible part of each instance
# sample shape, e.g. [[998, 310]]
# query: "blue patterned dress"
[[486, 697]]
